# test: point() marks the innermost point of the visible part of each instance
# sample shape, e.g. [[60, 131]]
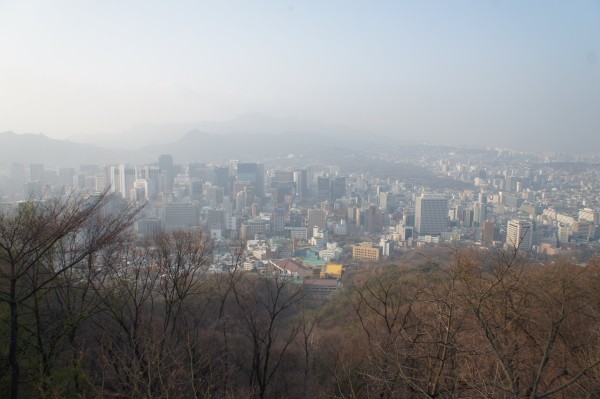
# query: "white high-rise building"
[[431, 214], [519, 234], [114, 179], [127, 178]]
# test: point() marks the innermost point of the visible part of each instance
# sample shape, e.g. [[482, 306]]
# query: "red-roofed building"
[[291, 267]]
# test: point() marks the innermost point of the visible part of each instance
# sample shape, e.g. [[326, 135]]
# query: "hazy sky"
[[445, 71]]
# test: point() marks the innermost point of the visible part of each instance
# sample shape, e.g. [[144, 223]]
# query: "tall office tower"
[[487, 232], [114, 179], [480, 213], [254, 173], [222, 179], [323, 188], [127, 178], [519, 234], [316, 217], [36, 172], [301, 180], [338, 188], [431, 214], [372, 219], [165, 165], [467, 217], [383, 201]]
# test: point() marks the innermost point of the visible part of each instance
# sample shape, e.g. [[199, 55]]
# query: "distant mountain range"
[[37, 148], [249, 137], [149, 135]]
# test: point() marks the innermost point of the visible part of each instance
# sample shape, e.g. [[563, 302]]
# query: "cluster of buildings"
[[299, 219]]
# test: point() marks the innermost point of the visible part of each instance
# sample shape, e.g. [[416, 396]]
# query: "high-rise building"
[[154, 177], [165, 165], [383, 201], [519, 234], [323, 188], [487, 232], [301, 180], [480, 213], [253, 173], [467, 217], [338, 188], [431, 214], [127, 177], [221, 179], [371, 219], [114, 179]]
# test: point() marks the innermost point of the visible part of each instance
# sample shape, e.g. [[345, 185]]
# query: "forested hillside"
[[88, 311]]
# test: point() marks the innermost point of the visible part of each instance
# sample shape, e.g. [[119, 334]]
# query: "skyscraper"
[[519, 234], [301, 180], [127, 178], [323, 188], [165, 165], [480, 213], [221, 179], [487, 233], [338, 188], [431, 214], [253, 173]]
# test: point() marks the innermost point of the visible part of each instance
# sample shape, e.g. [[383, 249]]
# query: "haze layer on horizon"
[[456, 72]]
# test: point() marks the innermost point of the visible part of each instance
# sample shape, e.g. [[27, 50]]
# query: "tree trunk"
[[14, 333]]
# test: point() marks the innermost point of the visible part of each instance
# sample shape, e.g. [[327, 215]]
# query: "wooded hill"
[[87, 311]]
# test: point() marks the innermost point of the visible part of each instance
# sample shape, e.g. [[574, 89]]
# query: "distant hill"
[[198, 145], [37, 148], [156, 135]]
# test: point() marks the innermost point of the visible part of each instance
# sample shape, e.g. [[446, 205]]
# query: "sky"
[[449, 72]]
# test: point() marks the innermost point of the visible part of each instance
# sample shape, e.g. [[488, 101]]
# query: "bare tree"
[[536, 334], [154, 307], [30, 257], [264, 303]]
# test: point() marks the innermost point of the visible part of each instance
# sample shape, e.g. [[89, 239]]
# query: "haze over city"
[[303, 199], [518, 74]]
